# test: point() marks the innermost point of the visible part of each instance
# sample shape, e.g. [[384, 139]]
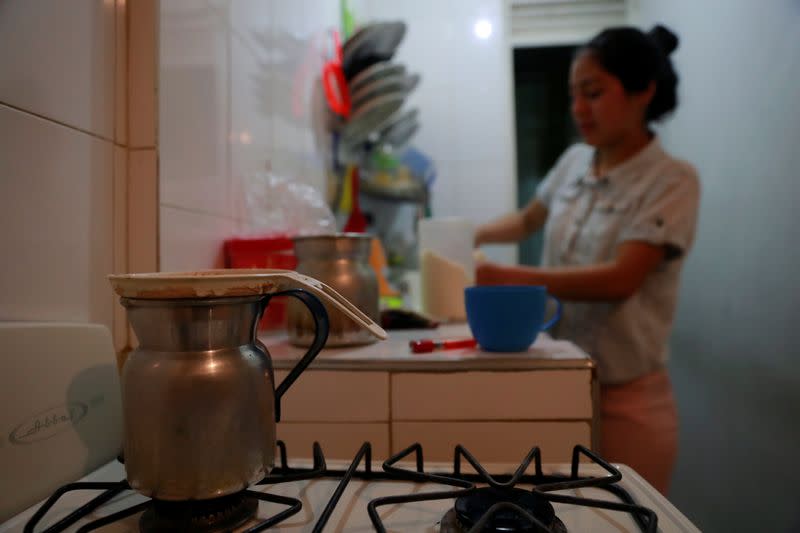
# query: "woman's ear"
[[642, 99], [648, 94]]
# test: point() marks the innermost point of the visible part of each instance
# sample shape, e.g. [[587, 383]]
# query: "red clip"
[[430, 345]]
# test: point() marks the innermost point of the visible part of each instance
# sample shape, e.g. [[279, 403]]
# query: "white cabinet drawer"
[[339, 440], [493, 442], [335, 396], [508, 395]]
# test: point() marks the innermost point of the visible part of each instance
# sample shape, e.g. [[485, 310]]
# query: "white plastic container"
[[447, 266]]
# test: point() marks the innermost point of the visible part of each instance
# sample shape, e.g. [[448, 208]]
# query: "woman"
[[619, 217]]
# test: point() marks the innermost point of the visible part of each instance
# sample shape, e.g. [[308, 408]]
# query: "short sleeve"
[[557, 175], [668, 213]]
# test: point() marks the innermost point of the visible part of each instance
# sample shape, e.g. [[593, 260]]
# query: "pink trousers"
[[639, 427]]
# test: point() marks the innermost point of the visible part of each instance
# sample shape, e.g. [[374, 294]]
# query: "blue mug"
[[508, 318]]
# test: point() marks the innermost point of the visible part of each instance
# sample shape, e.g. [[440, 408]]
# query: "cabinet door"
[[507, 395], [493, 442], [339, 440], [336, 396]]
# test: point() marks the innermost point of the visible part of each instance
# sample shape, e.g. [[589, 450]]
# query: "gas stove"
[[402, 494], [44, 447]]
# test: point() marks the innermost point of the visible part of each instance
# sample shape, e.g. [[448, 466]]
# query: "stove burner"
[[220, 514], [469, 509]]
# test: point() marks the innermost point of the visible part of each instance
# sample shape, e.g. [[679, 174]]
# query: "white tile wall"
[[234, 98], [142, 193], [72, 74], [143, 48], [193, 240], [120, 240], [193, 97], [57, 60], [56, 207], [121, 73], [466, 103], [253, 111]]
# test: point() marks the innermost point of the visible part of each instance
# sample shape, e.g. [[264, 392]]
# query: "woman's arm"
[[514, 226], [615, 280]]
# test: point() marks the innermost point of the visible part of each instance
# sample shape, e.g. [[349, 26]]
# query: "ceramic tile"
[[57, 222], [192, 241], [299, 43], [60, 66], [288, 165], [257, 107], [143, 223], [251, 137], [484, 118], [142, 72], [193, 109], [436, 135], [314, 172], [253, 21], [121, 73], [120, 239]]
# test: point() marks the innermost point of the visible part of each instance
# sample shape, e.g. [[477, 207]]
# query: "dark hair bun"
[[637, 59], [665, 40]]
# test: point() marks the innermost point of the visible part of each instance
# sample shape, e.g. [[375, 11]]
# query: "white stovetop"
[[350, 514]]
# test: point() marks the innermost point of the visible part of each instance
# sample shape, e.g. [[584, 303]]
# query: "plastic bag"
[[279, 205]]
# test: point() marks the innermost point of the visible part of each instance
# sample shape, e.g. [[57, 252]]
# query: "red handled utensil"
[[337, 92], [430, 345]]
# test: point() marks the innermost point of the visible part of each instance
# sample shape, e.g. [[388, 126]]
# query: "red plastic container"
[[275, 251]]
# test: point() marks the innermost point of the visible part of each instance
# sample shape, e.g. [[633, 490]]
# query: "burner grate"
[[543, 485], [463, 484], [112, 489]]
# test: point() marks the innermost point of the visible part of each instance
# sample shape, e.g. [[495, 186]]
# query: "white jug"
[[446, 266]]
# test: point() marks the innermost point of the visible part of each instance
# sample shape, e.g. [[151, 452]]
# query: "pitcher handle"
[[321, 328], [550, 323]]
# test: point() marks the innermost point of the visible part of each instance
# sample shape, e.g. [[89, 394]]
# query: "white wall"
[[235, 98], [236, 82], [465, 98], [77, 119], [736, 342], [57, 159]]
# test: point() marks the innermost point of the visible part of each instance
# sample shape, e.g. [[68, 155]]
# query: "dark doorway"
[[544, 125]]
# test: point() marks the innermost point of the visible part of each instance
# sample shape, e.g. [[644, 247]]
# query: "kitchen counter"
[[495, 404], [394, 354]]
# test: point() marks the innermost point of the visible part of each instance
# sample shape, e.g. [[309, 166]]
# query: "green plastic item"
[[348, 20]]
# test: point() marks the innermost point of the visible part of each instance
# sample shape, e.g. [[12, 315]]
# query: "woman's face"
[[604, 112]]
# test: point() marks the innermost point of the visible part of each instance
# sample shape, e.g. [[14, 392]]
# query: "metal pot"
[[199, 398], [342, 261]]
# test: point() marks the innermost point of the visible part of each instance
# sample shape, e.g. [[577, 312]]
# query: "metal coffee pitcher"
[[199, 397], [342, 261]]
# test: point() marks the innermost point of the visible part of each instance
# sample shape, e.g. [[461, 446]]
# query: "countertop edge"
[[441, 366]]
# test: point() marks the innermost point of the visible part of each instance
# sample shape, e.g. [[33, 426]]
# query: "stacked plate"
[[378, 90]]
